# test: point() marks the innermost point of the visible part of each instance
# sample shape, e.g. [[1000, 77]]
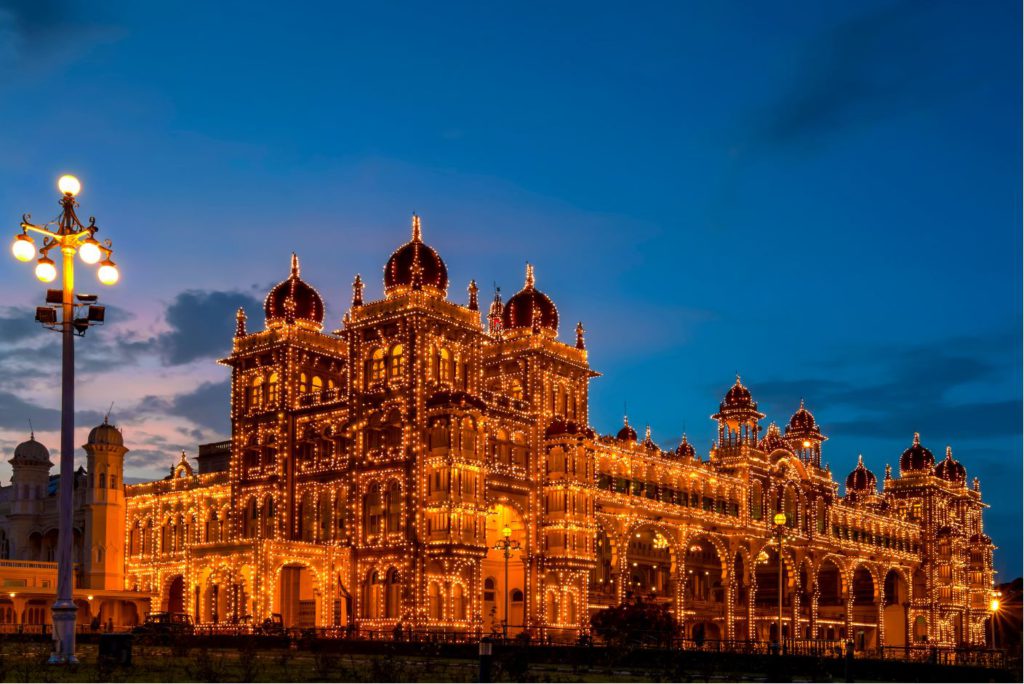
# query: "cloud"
[[202, 324], [886, 62], [889, 391], [15, 413], [39, 34], [207, 406]]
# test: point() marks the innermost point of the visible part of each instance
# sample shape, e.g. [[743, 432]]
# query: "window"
[[434, 601], [489, 589], [397, 361], [459, 602], [377, 365], [317, 384], [444, 365], [303, 383], [394, 507], [516, 389], [256, 393], [273, 389]]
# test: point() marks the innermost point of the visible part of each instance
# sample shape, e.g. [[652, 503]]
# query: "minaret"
[[473, 290], [580, 343], [240, 323], [104, 508], [29, 478], [494, 314]]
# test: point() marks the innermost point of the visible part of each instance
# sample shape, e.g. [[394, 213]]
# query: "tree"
[[635, 622]]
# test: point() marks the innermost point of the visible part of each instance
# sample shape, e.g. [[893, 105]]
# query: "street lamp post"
[[780, 520], [994, 606], [67, 234], [506, 545]]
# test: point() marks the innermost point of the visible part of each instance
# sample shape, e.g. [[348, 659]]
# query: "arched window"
[[516, 389], [397, 361], [372, 596], [394, 507], [570, 608], [377, 370], [392, 595], [519, 449], [372, 511], [273, 389], [502, 447], [307, 517], [551, 607], [489, 585], [256, 393], [444, 365], [268, 517], [458, 602], [434, 600], [317, 384], [113, 481], [303, 383]]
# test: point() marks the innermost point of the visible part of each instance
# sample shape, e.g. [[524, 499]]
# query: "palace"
[[375, 472]]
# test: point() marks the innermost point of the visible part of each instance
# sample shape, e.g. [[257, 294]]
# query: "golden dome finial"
[[529, 275], [295, 265], [417, 234], [917, 438]]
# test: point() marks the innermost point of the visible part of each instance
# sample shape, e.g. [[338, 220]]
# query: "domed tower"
[[737, 418], [294, 302], [415, 267], [804, 436], [772, 440], [917, 460], [30, 475], [530, 312], [105, 508], [626, 432], [861, 483], [951, 470], [685, 450]]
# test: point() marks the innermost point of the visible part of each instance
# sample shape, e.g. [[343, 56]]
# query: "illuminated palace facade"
[[372, 471]]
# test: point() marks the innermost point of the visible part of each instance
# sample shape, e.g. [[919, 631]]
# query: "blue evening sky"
[[823, 197]]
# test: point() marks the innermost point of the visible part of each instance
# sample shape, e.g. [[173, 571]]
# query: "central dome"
[[294, 301], [861, 480], [917, 457], [415, 266], [530, 310], [31, 452]]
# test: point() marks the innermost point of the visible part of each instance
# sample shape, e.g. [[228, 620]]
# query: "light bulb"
[[90, 251], [45, 270], [69, 185], [23, 248], [108, 273]]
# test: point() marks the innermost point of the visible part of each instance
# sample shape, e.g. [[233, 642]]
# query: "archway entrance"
[[894, 612], [704, 593], [649, 566], [175, 600], [495, 589], [766, 599], [296, 599], [865, 610], [831, 602]]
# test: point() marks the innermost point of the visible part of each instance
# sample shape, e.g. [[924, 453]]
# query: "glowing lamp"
[[23, 248], [46, 271], [507, 531], [994, 605], [90, 251], [780, 518], [807, 444], [69, 185], [108, 273]]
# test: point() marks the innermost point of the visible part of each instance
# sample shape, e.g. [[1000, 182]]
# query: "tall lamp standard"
[[780, 521], [67, 234], [506, 545], [994, 607]]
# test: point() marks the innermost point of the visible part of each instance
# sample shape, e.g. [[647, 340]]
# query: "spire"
[[917, 439], [240, 323], [357, 291], [801, 404], [494, 315], [949, 453], [295, 265], [580, 344], [888, 471], [860, 460], [647, 436], [473, 289], [529, 276], [417, 234]]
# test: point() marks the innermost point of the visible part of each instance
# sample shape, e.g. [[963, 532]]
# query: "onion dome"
[[803, 427], [627, 433], [916, 457], [415, 266], [686, 450], [105, 434], [738, 404], [772, 440], [530, 310], [950, 469], [861, 480], [31, 452], [294, 301]]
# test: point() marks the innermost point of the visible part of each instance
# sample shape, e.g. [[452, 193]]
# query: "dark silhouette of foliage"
[[635, 622]]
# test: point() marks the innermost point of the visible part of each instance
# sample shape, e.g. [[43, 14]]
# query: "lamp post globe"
[[46, 271], [108, 273], [24, 248], [90, 251], [69, 185]]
